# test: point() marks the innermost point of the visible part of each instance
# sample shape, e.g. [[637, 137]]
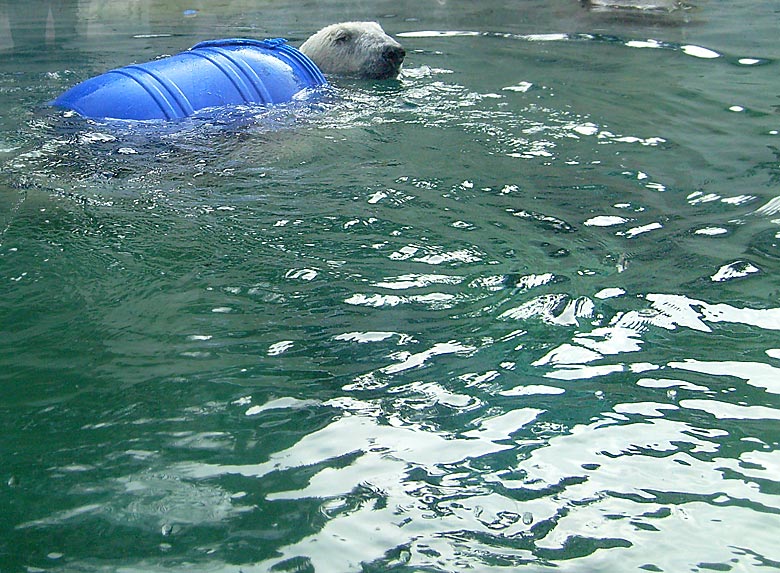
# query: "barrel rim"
[[270, 43]]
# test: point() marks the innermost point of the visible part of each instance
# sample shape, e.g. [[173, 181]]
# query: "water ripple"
[[513, 310]]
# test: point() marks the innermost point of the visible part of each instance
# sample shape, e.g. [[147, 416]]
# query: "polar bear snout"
[[394, 55], [388, 64]]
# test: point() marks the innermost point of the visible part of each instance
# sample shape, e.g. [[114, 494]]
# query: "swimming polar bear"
[[357, 49], [235, 71]]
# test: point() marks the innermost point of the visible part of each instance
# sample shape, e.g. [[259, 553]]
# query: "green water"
[[517, 310]]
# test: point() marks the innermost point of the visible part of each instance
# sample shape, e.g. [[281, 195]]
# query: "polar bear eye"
[[342, 37]]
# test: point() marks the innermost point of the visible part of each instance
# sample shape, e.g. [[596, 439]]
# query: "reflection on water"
[[518, 308], [52, 24], [38, 22]]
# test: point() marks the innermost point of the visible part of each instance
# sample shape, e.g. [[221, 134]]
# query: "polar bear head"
[[357, 49]]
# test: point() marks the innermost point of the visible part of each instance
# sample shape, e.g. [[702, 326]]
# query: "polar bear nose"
[[394, 55]]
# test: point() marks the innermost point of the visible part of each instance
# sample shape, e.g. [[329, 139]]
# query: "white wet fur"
[[358, 49]]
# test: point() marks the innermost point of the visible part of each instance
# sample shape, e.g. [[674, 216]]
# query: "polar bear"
[[356, 49]]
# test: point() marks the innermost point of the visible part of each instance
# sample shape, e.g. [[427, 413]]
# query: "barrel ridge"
[[166, 104], [238, 72], [293, 55], [315, 75]]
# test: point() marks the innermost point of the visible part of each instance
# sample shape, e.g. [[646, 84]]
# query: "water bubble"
[[166, 529], [528, 518]]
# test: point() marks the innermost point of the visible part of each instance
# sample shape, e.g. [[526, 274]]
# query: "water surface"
[[516, 310]]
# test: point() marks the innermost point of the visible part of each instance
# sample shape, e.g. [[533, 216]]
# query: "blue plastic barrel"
[[216, 73]]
